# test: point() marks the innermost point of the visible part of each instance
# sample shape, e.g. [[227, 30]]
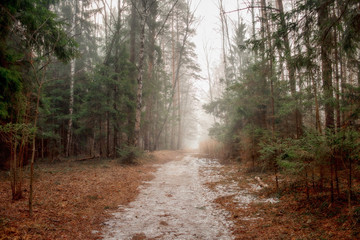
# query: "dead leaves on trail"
[[71, 199]]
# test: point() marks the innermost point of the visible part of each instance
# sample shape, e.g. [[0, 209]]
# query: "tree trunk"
[[151, 58], [270, 66], [336, 65], [72, 80], [173, 62], [71, 108], [133, 45], [223, 41], [33, 152], [332, 179], [178, 96], [189, 21], [100, 138], [350, 189], [108, 128], [325, 54], [291, 71], [253, 26], [139, 79], [312, 78]]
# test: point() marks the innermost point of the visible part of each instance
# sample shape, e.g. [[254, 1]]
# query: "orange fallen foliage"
[[72, 199], [290, 218]]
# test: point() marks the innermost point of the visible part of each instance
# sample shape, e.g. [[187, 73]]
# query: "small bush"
[[127, 154]]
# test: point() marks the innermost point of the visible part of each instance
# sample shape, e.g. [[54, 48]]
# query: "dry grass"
[[72, 199], [213, 149]]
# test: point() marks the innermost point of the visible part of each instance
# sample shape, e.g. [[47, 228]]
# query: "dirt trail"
[[174, 205]]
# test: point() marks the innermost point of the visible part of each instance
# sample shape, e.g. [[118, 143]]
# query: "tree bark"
[[33, 151], [72, 81], [173, 62], [325, 54], [223, 40], [139, 80], [291, 71], [270, 66]]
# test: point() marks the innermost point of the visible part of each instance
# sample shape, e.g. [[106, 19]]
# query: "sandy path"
[[174, 205]]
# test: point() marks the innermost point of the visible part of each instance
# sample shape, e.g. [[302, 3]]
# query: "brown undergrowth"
[[293, 217], [72, 199]]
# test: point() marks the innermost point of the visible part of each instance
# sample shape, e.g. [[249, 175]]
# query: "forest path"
[[174, 205]]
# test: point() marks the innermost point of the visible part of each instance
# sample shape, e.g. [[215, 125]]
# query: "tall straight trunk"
[[343, 81], [337, 77], [139, 80], [223, 34], [71, 108], [132, 58], [317, 109], [133, 27], [270, 63], [253, 24], [231, 60], [270, 77], [153, 13], [179, 117], [209, 78], [116, 124], [72, 81], [42, 148], [100, 138], [262, 109], [15, 180], [325, 54], [156, 124], [173, 62], [31, 187], [349, 186], [332, 179], [337, 103], [326, 73], [291, 71], [312, 78], [115, 41], [108, 127], [115, 141], [189, 21], [178, 96], [106, 20]]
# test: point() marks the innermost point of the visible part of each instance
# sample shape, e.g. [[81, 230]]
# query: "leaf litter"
[[73, 199]]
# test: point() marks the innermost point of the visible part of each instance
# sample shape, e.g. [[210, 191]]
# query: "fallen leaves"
[[290, 218], [72, 199]]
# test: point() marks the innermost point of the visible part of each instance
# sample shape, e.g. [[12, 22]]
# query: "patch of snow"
[[174, 205]]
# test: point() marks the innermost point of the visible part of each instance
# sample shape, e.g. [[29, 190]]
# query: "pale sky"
[[209, 28], [208, 33]]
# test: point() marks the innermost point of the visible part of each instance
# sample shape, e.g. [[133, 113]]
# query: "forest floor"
[[261, 213], [166, 195], [73, 198]]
